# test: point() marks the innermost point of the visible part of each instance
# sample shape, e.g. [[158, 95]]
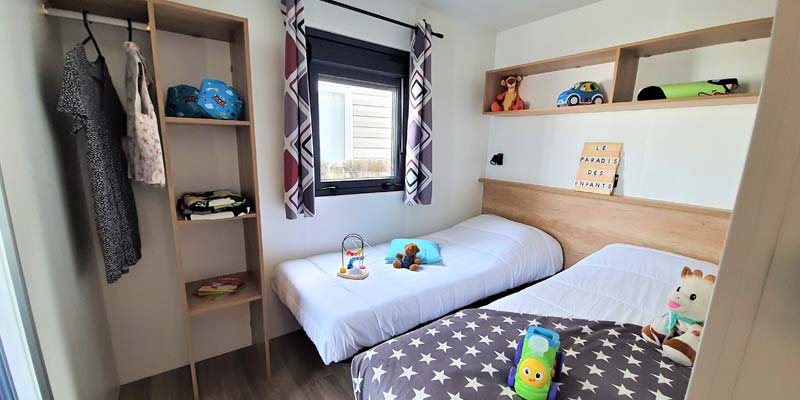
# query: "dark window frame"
[[343, 59]]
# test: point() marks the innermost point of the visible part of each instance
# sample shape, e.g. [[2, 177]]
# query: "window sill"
[[356, 190]]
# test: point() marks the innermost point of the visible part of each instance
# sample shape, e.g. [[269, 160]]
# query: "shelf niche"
[[626, 59]]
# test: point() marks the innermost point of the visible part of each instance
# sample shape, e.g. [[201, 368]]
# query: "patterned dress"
[[88, 96]]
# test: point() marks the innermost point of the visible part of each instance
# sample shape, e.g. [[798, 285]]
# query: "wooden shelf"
[[626, 58], [197, 22], [199, 305], [184, 19], [736, 32], [183, 222], [557, 64], [745, 98], [204, 121]]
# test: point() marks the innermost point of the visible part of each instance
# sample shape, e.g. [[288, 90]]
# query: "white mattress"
[[481, 256], [621, 283]]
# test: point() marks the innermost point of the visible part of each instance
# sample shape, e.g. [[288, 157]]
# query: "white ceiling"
[[505, 14]]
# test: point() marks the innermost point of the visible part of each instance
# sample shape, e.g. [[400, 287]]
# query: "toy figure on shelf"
[[509, 100], [354, 268], [586, 92]]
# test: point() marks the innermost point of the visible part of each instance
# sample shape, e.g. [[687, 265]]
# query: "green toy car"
[[538, 363]]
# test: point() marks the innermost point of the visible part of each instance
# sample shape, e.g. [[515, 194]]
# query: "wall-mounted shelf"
[[198, 305], [204, 121], [744, 98], [626, 59], [186, 222]]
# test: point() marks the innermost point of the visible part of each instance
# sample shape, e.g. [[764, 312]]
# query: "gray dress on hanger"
[[88, 95]]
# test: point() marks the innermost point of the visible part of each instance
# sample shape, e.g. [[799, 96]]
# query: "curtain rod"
[[378, 16], [55, 12]]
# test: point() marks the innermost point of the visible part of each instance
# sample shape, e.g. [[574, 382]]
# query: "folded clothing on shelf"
[[216, 204]]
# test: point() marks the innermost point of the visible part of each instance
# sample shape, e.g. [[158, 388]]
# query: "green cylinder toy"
[[715, 87]]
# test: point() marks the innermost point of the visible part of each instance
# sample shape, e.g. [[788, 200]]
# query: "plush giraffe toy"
[[678, 331]]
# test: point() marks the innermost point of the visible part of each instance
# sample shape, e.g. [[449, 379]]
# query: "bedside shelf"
[[183, 222], [730, 99], [199, 305], [204, 121]]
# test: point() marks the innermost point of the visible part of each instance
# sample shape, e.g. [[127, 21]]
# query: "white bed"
[[620, 282], [481, 256]]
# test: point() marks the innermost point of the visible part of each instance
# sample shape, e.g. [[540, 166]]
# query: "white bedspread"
[[482, 256], [622, 283]]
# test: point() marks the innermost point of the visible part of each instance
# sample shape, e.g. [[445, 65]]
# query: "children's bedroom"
[[400, 200]]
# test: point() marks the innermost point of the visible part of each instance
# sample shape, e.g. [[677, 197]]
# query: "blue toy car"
[[586, 92]]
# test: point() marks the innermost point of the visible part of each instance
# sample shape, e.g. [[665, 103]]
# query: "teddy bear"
[[408, 260], [509, 100], [679, 330]]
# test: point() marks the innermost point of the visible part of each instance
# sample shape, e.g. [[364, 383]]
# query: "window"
[[359, 106]]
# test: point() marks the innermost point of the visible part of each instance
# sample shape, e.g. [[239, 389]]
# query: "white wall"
[[690, 156], [42, 181], [144, 309]]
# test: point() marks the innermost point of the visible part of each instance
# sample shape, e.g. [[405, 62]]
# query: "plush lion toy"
[[678, 331], [509, 100], [409, 260]]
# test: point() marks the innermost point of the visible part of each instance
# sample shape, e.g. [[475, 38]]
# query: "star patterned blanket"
[[468, 355]]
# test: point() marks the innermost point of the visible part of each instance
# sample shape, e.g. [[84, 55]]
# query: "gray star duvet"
[[468, 356], [596, 306]]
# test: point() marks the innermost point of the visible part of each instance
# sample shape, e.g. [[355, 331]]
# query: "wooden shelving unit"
[[199, 305], [186, 222], [626, 59], [197, 22], [204, 121], [166, 16]]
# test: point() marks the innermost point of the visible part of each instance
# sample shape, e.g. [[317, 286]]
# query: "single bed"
[[482, 256], [597, 306]]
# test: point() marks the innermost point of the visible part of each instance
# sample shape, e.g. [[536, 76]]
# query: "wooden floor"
[[297, 374]]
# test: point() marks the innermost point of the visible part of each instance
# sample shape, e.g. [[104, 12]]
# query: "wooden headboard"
[[584, 223]]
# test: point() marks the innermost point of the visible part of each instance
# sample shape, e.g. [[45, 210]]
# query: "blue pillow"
[[428, 251]]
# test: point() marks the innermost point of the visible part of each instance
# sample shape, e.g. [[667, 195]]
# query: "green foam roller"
[[713, 87]]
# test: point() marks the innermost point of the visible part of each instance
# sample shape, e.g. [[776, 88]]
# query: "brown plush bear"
[[409, 260]]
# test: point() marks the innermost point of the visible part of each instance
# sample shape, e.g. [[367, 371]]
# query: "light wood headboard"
[[584, 223]]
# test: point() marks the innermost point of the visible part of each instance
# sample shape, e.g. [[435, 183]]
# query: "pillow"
[[428, 250]]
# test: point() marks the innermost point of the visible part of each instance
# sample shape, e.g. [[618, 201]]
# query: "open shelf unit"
[[626, 59], [186, 222], [166, 16], [197, 22], [199, 305], [204, 121]]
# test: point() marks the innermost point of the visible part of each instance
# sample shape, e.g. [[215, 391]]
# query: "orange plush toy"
[[509, 100], [410, 259]]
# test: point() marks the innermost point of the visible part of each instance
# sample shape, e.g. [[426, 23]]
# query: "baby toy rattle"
[[353, 247], [538, 363]]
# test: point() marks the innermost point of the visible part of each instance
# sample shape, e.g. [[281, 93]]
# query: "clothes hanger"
[[130, 30], [91, 36]]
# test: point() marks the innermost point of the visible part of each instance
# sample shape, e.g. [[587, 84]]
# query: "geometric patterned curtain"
[[419, 149], [298, 145]]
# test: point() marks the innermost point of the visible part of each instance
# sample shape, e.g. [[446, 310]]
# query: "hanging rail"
[[378, 16], [55, 12]]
